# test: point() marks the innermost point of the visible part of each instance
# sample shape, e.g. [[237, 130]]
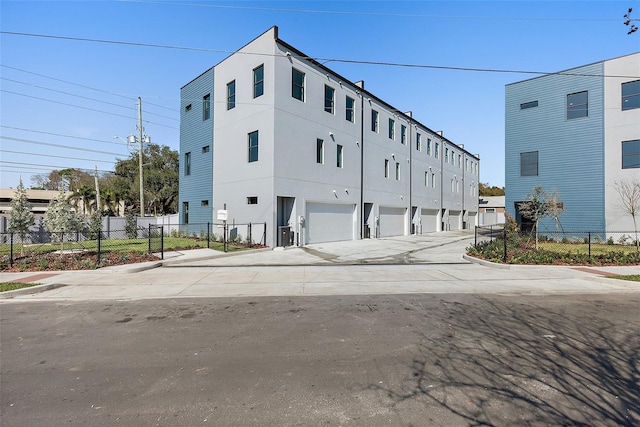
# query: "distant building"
[[577, 131], [279, 138], [491, 210]]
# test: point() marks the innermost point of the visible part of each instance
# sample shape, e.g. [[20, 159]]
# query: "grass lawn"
[[631, 277], [583, 248], [11, 286]]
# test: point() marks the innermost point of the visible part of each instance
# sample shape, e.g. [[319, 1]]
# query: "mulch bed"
[[73, 261]]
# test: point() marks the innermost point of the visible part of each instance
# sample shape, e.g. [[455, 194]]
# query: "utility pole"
[[140, 131]]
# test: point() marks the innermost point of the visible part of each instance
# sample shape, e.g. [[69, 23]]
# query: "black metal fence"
[[584, 246]]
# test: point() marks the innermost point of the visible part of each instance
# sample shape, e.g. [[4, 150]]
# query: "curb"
[[30, 290], [170, 263], [486, 263]]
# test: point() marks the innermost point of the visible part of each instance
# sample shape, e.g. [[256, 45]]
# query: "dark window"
[[631, 95], [297, 84], [418, 142], [185, 212], [392, 129], [252, 200], [529, 163], [397, 171], [258, 81], [403, 134], [631, 154], [374, 121], [329, 95], [350, 113], [187, 108], [577, 105], [206, 107], [253, 146], [386, 168], [339, 156], [204, 203], [187, 164], [530, 104], [205, 149], [319, 151], [231, 95]]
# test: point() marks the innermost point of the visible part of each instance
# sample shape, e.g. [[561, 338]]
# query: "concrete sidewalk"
[[431, 263]]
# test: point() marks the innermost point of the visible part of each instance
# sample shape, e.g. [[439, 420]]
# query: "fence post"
[[162, 242], [11, 251], [504, 255], [249, 233], [264, 234], [99, 248], [475, 236], [589, 246], [224, 236], [208, 234], [149, 238]]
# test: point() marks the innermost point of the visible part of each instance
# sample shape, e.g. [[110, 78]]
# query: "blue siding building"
[[196, 152], [565, 131]]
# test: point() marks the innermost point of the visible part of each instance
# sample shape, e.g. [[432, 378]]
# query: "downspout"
[[362, 219], [410, 144]]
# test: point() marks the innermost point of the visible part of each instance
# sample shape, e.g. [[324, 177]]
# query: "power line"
[[120, 143], [51, 166], [29, 141], [324, 60], [59, 157]]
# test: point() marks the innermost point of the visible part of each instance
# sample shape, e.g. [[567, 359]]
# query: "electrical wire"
[[117, 142], [58, 157], [29, 141], [51, 166]]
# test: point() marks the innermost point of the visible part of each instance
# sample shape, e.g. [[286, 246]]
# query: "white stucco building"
[[294, 144]]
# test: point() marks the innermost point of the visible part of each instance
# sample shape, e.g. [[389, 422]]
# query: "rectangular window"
[[253, 146], [418, 142], [631, 154], [258, 81], [433, 179], [460, 161], [187, 163], [350, 110], [446, 155], [319, 151], [206, 107], [374, 121], [231, 95], [437, 150], [386, 168], [187, 108], [252, 200], [329, 96], [397, 171], [339, 156], [185, 212], [392, 129], [530, 104], [631, 95], [529, 163], [428, 146], [205, 149], [204, 203], [577, 105], [297, 84], [403, 134], [426, 178]]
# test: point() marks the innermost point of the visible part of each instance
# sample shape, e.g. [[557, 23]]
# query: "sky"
[[71, 72]]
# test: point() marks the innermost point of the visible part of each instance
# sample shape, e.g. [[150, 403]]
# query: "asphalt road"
[[421, 360]]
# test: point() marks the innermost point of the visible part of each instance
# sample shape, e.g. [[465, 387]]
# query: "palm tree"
[[87, 196]]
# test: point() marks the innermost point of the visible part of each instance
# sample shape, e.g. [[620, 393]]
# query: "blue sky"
[[58, 93]]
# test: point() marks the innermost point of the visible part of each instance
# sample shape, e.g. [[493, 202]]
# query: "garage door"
[[471, 220], [391, 221], [327, 222], [454, 220], [429, 219]]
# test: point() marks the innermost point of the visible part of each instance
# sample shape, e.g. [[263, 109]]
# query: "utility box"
[[285, 236]]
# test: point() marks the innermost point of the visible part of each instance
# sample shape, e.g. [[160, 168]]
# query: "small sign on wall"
[[222, 215]]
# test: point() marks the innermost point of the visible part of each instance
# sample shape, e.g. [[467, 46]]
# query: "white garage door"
[[429, 220], [454, 220], [391, 221], [327, 222], [471, 220]]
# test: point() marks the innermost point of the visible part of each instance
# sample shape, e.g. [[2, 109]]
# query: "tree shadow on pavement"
[[492, 363]]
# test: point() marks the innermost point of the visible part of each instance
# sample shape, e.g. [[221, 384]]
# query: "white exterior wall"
[[618, 126]]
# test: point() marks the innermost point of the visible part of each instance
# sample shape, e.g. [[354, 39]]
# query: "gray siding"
[[570, 152], [196, 133]]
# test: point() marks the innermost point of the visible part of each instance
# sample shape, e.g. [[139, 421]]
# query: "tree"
[[66, 179], [60, 219], [486, 190], [629, 193], [21, 216], [86, 196], [556, 208], [539, 204]]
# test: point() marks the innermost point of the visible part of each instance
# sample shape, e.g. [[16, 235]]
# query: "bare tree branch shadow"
[[492, 363]]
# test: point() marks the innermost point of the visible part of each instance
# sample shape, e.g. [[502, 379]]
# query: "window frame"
[[187, 163], [206, 149], [577, 111], [529, 165], [252, 200], [185, 212], [206, 107], [329, 99], [350, 112], [253, 148], [297, 89], [231, 95], [375, 121], [386, 168], [635, 154], [635, 96], [339, 156], [418, 141], [403, 134], [397, 171], [529, 104], [258, 82], [392, 129], [319, 151]]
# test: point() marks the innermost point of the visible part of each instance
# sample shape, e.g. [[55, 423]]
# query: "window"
[[437, 150], [205, 149], [577, 105], [530, 104], [349, 112], [453, 186], [258, 81], [329, 95], [206, 107], [386, 168], [397, 171], [446, 155], [433, 179], [339, 156], [231, 95], [187, 108], [460, 161], [426, 178], [631, 154], [529, 163], [374, 121], [253, 146], [319, 151], [631, 95], [403, 134], [252, 200], [185, 212], [428, 146], [297, 84], [187, 163], [392, 129], [490, 210], [418, 142], [204, 203]]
